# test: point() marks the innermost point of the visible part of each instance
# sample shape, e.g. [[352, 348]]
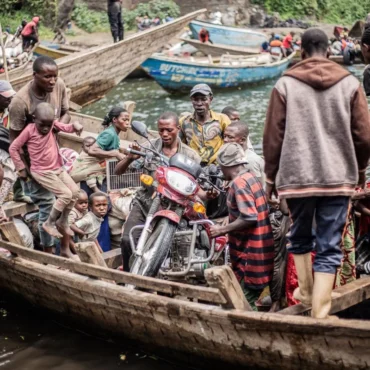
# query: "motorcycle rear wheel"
[[155, 250]]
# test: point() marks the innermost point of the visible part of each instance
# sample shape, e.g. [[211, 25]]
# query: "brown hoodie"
[[317, 131]]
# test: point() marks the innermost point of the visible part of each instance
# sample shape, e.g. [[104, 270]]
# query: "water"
[[151, 100], [29, 340], [33, 340]]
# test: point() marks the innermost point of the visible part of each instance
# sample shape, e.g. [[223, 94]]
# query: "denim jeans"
[[44, 199], [330, 214]]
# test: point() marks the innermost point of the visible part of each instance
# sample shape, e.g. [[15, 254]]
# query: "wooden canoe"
[[22, 69], [64, 50], [218, 329], [219, 49], [178, 75], [91, 73], [53, 52], [226, 35]]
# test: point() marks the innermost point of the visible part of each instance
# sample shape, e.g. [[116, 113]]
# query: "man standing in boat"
[[316, 145], [115, 19], [45, 87], [204, 130], [167, 144]]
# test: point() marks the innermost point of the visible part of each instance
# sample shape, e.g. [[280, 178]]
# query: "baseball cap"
[[6, 89], [231, 154], [201, 89]]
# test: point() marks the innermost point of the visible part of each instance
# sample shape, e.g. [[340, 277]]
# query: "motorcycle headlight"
[[181, 183]]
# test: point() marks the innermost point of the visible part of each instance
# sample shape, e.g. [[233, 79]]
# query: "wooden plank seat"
[[173, 289], [12, 208]]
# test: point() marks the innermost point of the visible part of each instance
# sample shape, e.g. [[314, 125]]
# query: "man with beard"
[[203, 130], [45, 87]]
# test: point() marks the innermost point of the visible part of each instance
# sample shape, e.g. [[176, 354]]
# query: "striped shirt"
[[251, 250]]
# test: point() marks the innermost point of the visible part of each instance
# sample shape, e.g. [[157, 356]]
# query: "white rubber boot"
[[321, 297], [303, 265]]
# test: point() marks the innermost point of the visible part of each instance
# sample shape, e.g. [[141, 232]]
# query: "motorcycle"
[[175, 242]]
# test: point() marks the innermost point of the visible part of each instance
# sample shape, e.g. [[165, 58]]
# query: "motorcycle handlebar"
[[132, 151]]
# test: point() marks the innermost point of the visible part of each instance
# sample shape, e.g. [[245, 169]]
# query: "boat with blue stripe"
[[226, 35], [179, 75]]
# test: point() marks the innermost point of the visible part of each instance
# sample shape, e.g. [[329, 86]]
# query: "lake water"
[[29, 340], [151, 100]]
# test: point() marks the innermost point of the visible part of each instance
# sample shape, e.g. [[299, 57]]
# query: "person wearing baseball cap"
[[249, 228], [203, 130], [6, 96]]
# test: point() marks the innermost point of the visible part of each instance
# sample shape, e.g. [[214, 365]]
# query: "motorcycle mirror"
[[139, 128]]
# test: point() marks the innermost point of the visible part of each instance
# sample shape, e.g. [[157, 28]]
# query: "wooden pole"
[[4, 56]]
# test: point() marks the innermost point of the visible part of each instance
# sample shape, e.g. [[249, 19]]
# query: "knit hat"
[[231, 154]]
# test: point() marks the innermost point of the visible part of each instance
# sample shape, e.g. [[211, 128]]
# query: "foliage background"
[[331, 11]]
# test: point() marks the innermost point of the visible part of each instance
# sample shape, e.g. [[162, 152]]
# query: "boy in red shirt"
[[47, 165]]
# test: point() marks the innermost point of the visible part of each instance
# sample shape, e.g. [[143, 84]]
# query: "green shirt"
[[108, 139]]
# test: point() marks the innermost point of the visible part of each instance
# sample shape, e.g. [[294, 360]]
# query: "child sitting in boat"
[[79, 210], [88, 227], [47, 165], [91, 163]]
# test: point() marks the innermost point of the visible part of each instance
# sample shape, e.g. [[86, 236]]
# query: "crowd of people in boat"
[[291, 221]]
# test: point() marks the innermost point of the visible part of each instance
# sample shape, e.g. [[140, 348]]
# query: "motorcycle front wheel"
[[155, 250]]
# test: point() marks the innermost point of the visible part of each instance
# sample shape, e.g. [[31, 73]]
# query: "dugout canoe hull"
[[226, 35], [208, 331], [219, 49], [180, 75], [91, 73]]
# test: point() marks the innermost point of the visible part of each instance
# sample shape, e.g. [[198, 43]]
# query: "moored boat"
[[204, 322], [219, 49], [91, 73], [55, 51], [226, 35], [180, 75]]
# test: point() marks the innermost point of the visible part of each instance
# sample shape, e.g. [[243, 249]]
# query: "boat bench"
[[224, 290]]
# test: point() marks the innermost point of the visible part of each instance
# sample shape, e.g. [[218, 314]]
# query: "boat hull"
[[218, 49], [229, 35], [179, 77], [51, 52], [91, 73], [234, 336]]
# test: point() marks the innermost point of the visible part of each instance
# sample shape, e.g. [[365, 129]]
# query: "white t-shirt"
[[90, 224]]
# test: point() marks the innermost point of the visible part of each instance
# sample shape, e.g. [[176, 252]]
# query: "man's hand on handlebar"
[[136, 147]]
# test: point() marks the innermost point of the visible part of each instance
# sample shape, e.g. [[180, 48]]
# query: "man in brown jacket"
[[316, 146]]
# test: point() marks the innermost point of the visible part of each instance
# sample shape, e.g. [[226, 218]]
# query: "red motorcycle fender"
[[171, 215]]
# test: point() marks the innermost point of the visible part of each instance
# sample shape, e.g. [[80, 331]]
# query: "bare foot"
[[51, 230], [64, 227], [68, 254]]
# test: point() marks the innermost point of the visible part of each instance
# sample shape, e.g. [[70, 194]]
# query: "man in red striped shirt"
[[250, 234]]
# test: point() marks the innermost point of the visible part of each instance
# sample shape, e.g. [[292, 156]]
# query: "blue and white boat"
[[226, 35], [179, 76]]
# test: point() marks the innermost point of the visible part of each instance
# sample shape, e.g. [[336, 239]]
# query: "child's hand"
[[78, 128], [23, 174]]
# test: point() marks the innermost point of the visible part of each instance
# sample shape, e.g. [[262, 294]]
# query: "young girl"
[[47, 165], [91, 165]]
